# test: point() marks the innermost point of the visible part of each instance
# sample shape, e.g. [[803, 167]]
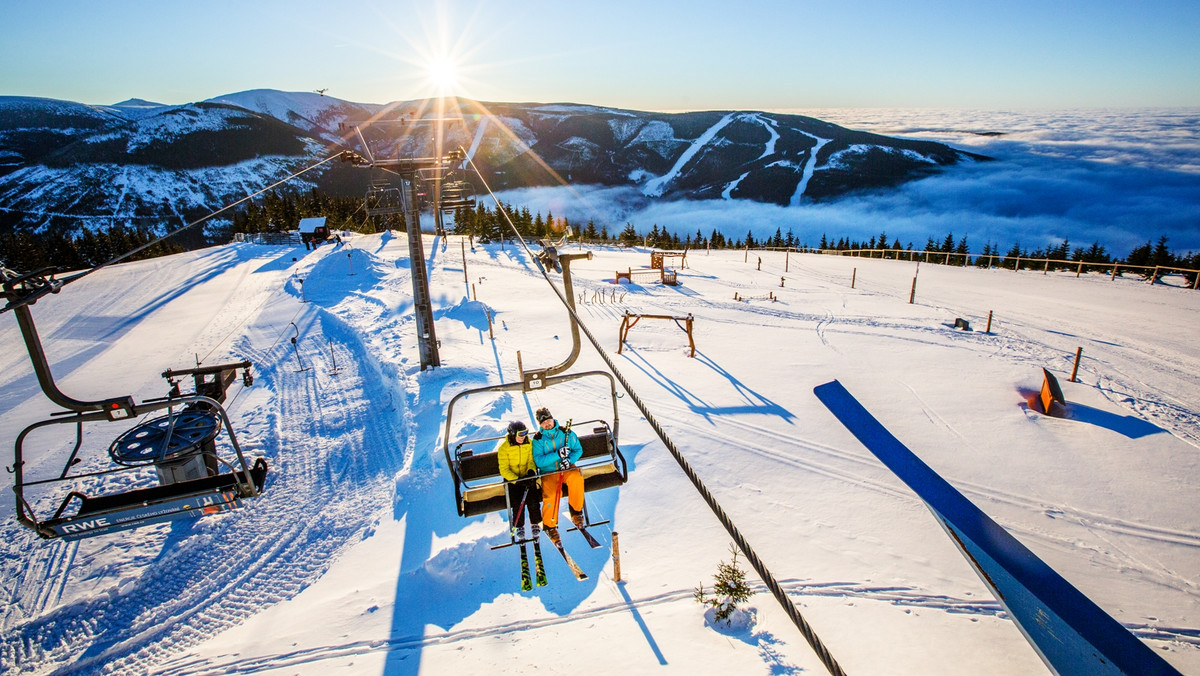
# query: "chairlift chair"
[[478, 486], [193, 478], [456, 195]]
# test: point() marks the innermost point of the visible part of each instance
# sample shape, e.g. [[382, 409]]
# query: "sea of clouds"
[[1117, 177]]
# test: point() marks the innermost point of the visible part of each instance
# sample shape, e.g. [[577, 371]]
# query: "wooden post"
[[746, 258], [1114, 274], [912, 295], [520, 368], [1079, 270], [1046, 269], [787, 256], [466, 280], [691, 342], [1075, 371], [1154, 275], [989, 326], [491, 335], [616, 552], [622, 331], [473, 292], [853, 275], [1017, 265]]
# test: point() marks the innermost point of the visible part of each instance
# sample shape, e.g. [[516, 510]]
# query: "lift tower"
[[408, 170]]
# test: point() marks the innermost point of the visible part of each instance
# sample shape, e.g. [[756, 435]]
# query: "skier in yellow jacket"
[[515, 456]]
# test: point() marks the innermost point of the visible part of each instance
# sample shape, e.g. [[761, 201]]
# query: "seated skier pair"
[[551, 454]]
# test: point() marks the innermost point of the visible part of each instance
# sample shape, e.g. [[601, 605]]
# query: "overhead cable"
[[768, 579]]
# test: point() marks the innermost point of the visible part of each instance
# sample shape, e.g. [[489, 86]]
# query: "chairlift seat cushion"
[[213, 484]]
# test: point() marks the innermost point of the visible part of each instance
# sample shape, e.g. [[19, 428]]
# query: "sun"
[[443, 73]]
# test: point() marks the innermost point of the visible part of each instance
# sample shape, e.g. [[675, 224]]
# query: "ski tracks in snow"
[[327, 472], [909, 598], [855, 469]]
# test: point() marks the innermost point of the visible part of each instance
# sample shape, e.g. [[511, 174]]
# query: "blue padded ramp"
[[1070, 632]]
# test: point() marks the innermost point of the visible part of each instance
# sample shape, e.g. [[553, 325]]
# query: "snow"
[[659, 137], [810, 166], [769, 125], [354, 561], [727, 193], [656, 187], [623, 130]]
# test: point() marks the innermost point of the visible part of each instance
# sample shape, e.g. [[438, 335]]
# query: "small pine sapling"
[[729, 589]]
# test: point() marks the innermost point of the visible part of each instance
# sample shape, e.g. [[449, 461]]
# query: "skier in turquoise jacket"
[[555, 452]]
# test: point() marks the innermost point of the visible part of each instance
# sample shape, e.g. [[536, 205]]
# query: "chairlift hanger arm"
[[116, 407]]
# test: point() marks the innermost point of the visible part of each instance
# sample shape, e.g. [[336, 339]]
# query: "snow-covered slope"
[[354, 561], [316, 113]]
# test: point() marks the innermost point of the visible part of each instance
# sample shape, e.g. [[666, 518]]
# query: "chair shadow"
[[753, 401], [1125, 425]]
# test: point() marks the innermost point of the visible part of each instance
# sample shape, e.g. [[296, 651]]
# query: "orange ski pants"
[[552, 485]]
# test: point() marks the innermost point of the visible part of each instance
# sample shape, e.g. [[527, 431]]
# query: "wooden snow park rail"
[[770, 296], [1072, 635], [1153, 273], [657, 258], [626, 324], [668, 277]]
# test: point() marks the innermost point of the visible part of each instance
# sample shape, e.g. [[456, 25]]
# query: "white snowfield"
[[354, 561]]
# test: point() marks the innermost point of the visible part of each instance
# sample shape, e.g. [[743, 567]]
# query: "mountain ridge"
[[65, 165]]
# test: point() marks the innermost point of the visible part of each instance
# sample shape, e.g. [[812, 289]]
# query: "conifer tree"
[[1013, 256], [629, 235], [729, 588]]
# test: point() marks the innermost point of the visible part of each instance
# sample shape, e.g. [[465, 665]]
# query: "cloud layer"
[[1119, 178]]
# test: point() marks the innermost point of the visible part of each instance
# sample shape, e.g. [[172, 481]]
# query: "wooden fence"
[[1152, 272]]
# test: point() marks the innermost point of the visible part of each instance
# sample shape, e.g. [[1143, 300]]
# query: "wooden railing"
[[1152, 272]]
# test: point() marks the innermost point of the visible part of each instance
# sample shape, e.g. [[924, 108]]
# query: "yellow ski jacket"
[[515, 460]]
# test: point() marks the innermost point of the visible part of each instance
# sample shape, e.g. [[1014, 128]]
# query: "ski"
[[526, 580], [579, 574], [538, 567], [592, 542]]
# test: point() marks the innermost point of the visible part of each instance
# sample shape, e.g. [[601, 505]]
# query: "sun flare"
[[444, 75]]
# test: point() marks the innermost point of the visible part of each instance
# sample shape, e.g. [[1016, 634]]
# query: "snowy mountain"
[[355, 561], [66, 166]]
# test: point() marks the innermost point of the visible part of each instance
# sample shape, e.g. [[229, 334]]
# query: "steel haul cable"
[[759, 567]]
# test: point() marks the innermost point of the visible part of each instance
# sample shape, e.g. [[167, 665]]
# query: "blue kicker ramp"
[[1070, 633]]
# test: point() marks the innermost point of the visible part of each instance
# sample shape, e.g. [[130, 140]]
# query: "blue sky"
[[643, 55]]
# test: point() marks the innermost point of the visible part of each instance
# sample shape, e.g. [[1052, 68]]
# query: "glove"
[[565, 464], [537, 435]]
